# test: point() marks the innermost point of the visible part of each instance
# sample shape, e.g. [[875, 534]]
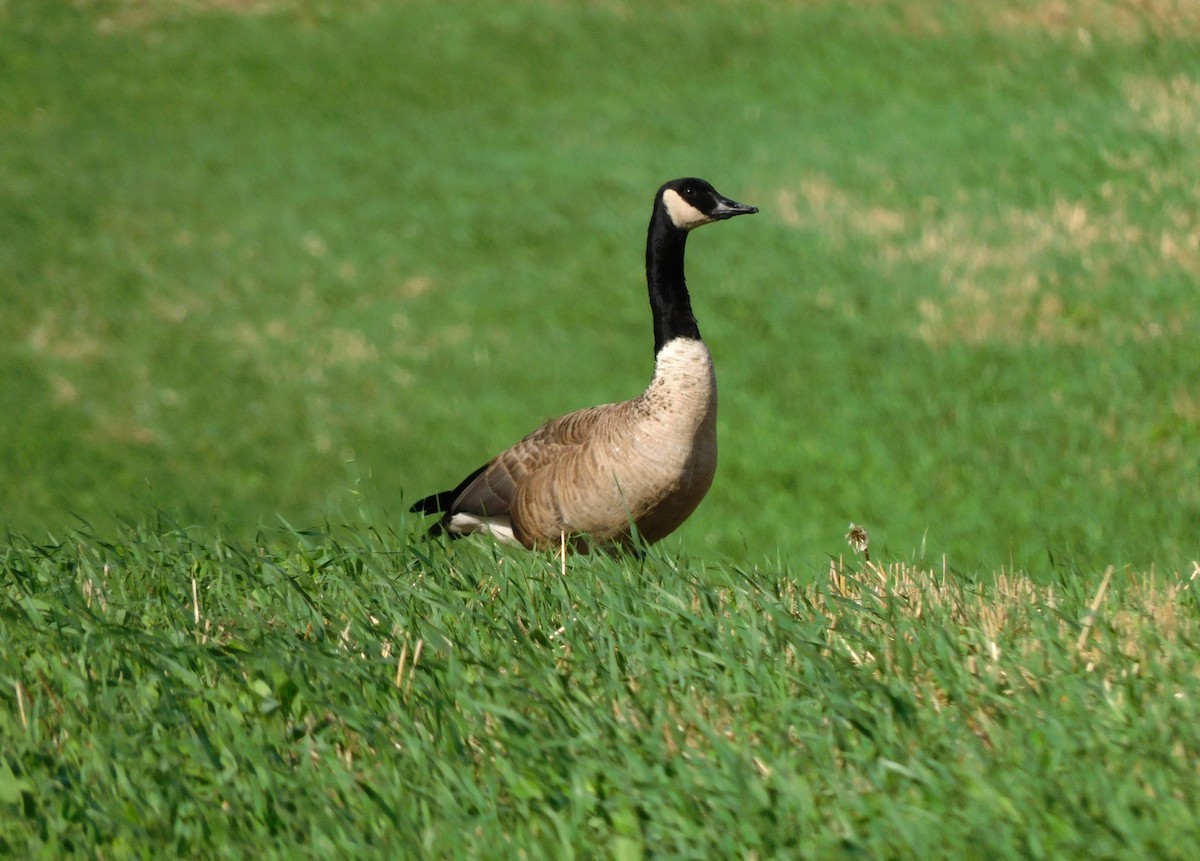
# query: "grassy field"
[[268, 263], [167, 695]]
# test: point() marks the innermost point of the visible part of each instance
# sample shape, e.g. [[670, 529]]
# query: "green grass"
[[303, 262], [167, 693], [293, 258]]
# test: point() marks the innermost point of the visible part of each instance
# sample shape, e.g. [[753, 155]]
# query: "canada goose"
[[648, 461]]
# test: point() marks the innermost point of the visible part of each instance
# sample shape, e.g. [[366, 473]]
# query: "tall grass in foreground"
[[166, 693]]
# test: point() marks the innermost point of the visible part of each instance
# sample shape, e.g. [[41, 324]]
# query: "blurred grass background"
[[313, 260]]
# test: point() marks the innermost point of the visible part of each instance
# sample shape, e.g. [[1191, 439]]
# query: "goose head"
[[690, 202]]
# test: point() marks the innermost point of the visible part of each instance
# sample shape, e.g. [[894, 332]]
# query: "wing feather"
[[494, 489]]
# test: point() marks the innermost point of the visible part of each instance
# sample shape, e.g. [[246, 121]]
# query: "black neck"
[[669, 300]]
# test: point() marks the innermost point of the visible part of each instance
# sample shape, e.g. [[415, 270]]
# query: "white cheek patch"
[[683, 215]]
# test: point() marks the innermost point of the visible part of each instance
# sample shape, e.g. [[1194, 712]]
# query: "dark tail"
[[436, 503]]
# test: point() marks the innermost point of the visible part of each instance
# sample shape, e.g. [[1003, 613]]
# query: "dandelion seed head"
[[857, 536]]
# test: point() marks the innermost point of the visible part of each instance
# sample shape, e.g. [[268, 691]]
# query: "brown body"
[[644, 464]]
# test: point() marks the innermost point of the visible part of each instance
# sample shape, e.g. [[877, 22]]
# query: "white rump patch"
[[499, 527], [683, 214]]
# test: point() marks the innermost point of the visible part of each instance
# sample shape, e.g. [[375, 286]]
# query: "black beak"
[[727, 208]]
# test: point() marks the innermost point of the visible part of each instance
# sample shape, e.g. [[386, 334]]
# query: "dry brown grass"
[[1129, 619], [827, 207], [999, 282], [994, 289], [126, 15], [1079, 21], [1108, 19], [975, 648], [1169, 108], [997, 273]]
